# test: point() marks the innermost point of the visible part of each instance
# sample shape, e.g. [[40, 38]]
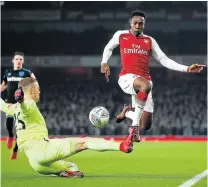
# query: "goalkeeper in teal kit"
[[46, 156]]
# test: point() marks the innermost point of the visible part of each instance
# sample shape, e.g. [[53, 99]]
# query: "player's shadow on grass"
[[113, 176], [139, 175]]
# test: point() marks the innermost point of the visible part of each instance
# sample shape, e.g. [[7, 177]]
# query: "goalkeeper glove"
[[19, 95]]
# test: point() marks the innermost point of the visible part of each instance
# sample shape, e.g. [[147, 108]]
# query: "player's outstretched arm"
[[196, 68], [158, 54], [105, 69], [9, 109], [108, 50]]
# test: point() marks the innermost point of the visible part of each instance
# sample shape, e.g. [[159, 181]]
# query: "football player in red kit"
[[134, 78]]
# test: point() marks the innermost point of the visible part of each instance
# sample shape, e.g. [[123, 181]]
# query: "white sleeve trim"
[[112, 44]]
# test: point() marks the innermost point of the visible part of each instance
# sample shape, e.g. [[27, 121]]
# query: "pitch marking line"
[[194, 179]]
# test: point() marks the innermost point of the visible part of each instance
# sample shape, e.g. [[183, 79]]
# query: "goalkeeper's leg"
[[51, 151], [59, 149], [98, 144]]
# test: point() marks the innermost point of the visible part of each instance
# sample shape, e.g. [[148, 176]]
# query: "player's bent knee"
[[146, 87], [141, 84]]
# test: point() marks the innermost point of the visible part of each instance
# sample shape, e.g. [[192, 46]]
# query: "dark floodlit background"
[[63, 43]]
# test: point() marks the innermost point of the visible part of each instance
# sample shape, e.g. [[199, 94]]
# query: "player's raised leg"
[[147, 115], [142, 87], [139, 88], [143, 107]]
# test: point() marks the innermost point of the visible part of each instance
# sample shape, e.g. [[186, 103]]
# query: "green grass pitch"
[[151, 164]]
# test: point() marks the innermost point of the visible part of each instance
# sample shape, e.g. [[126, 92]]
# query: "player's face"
[[36, 92], [18, 61], [137, 25]]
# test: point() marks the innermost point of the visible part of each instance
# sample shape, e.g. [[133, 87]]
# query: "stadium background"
[[63, 43]]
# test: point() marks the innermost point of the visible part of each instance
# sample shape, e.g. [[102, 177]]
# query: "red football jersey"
[[135, 52]]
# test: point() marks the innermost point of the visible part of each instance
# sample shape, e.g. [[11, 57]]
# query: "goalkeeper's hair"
[[26, 82]]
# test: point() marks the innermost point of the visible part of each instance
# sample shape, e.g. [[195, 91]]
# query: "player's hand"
[[196, 68], [105, 69], [19, 95]]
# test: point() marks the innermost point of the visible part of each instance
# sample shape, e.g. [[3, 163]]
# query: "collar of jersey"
[[17, 70], [134, 35]]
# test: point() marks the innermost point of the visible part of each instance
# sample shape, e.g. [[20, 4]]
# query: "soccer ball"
[[99, 116]]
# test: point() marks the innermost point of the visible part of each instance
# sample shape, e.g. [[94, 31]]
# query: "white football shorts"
[[126, 83]]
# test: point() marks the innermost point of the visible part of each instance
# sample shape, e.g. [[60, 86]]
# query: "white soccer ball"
[[99, 116]]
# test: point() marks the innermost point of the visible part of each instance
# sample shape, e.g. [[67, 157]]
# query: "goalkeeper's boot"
[[122, 115], [71, 174], [127, 145]]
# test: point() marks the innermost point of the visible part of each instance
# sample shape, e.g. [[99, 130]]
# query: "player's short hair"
[[26, 82], [138, 13], [19, 53]]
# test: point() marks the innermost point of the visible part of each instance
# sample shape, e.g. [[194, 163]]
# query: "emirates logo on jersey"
[[135, 46], [135, 50]]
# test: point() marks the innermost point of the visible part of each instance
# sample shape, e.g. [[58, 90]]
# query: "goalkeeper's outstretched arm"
[[7, 108], [10, 109]]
